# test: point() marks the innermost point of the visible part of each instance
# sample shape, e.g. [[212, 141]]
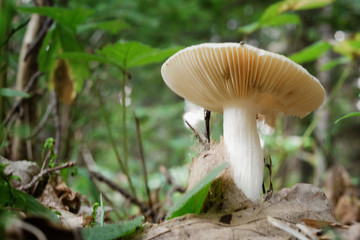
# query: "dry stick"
[[142, 157], [17, 104], [43, 120], [117, 155], [121, 190], [170, 180], [196, 133], [207, 115], [38, 40], [13, 31], [57, 125], [44, 173]]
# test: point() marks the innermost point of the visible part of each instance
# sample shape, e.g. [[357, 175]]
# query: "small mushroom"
[[242, 82]]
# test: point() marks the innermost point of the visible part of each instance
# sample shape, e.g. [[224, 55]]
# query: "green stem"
[[108, 128], [123, 99], [329, 99]]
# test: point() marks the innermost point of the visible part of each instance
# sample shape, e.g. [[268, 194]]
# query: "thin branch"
[[142, 157], [207, 115], [195, 133], [39, 37], [44, 173], [170, 180], [107, 125], [57, 124], [43, 120], [13, 31], [17, 104], [121, 190]]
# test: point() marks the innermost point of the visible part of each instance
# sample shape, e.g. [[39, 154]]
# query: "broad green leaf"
[[311, 53], [347, 116], [333, 63], [49, 48], [250, 28], [8, 92], [88, 57], [270, 12], [192, 201], [112, 27], [283, 19], [296, 5], [29, 205], [67, 17], [112, 231], [133, 54]]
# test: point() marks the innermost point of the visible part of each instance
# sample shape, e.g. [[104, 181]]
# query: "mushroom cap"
[[220, 75]]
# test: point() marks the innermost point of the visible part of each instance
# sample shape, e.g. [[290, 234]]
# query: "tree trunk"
[[22, 149]]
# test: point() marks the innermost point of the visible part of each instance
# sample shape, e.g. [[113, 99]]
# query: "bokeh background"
[[321, 35]]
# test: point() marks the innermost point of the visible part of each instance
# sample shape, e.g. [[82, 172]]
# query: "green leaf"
[[311, 53], [296, 5], [250, 28], [112, 27], [49, 48], [333, 63], [283, 19], [88, 57], [192, 201], [112, 231], [270, 12], [8, 92], [67, 17], [133, 54], [29, 205], [347, 116]]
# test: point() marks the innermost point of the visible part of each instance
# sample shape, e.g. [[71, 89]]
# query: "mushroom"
[[242, 82]]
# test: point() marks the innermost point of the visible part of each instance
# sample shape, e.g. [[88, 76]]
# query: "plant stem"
[[142, 157], [123, 99], [329, 99], [108, 128]]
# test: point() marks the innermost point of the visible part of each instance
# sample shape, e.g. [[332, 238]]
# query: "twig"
[[170, 180], [57, 124], [207, 115], [39, 37], [286, 228], [195, 133], [44, 173], [108, 129], [13, 31], [17, 104], [43, 120], [122, 191], [142, 157]]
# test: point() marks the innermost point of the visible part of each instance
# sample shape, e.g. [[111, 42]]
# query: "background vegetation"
[[94, 56]]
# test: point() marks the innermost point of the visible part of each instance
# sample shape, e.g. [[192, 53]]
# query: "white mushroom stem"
[[243, 145]]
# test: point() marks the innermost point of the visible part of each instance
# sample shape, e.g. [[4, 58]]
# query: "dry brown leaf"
[[59, 196], [63, 81], [302, 201], [25, 170]]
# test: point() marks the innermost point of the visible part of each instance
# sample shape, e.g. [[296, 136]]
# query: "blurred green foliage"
[[115, 49]]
